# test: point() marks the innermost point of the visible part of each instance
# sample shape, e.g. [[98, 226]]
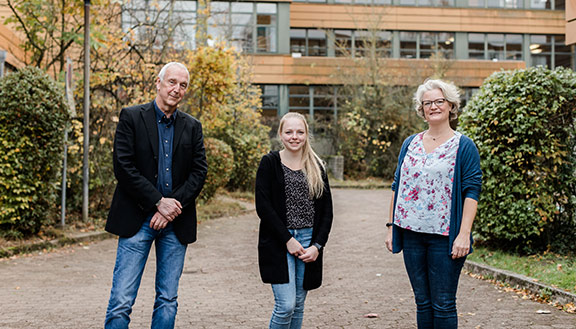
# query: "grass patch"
[[367, 183], [551, 269], [218, 207]]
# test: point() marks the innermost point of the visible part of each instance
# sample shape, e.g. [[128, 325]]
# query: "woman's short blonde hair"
[[449, 90]]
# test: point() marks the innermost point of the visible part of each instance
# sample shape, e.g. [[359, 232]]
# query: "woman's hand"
[[310, 254], [461, 246], [294, 247], [388, 239]]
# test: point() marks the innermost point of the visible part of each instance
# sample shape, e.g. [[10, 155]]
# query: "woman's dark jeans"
[[434, 277]]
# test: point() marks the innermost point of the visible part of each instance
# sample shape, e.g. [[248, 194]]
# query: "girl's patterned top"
[[425, 190], [299, 206]]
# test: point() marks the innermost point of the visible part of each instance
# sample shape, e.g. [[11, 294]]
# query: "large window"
[[432, 3], [495, 46], [550, 51], [361, 43], [317, 102], [548, 4], [270, 100], [173, 22], [496, 3], [426, 44], [366, 2], [308, 42], [251, 27]]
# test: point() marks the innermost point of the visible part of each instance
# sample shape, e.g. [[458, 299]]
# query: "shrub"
[[220, 166], [223, 99], [523, 123], [33, 115]]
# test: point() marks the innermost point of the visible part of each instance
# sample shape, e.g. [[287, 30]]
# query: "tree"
[[523, 122], [221, 96], [51, 28], [376, 114]]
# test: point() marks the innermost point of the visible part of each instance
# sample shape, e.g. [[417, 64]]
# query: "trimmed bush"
[[33, 115], [524, 125], [220, 158]]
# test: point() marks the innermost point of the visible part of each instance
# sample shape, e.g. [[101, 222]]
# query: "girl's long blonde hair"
[[312, 165]]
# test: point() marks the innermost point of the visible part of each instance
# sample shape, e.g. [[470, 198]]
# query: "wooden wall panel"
[[11, 43], [426, 19], [323, 70], [570, 22]]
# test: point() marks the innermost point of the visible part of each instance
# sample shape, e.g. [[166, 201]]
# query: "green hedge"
[[220, 158], [524, 125], [32, 117]]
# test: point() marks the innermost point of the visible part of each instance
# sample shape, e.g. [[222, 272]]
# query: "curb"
[[522, 282], [63, 241]]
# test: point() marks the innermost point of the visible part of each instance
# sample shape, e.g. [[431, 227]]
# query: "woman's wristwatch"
[[318, 246], [389, 224]]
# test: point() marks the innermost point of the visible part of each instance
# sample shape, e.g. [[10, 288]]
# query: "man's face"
[[171, 89]]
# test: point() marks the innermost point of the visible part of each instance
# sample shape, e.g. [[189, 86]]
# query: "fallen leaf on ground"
[[543, 312]]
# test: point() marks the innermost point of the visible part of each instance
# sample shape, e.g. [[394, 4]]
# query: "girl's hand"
[[294, 247], [310, 254]]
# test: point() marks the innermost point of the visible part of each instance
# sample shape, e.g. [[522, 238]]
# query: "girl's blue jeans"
[[290, 297]]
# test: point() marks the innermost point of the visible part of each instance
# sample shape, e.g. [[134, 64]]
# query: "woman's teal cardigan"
[[467, 184]]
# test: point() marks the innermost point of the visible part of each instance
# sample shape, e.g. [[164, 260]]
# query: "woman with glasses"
[[435, 196], [294, 204]]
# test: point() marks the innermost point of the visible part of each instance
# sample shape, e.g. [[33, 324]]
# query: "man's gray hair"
[[165, 67]]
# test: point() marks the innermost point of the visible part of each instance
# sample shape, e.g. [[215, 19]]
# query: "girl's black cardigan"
[[273, 234]]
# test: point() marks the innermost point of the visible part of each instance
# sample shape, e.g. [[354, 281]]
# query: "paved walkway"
[[221, 288]]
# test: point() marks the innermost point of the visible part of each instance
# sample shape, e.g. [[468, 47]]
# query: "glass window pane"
[[266, 8], [266, 39], [316, 43], [476, 46], [407, 2], [513, 47], [427, 44], [408, 44], [445, 45], [540, 4], [242, 7], [477, 3], [219, 7], [563, 55], [384, 44], [559, 4], [541, 50], [298, 41], [241, 19], [495, 44], [343, 43]]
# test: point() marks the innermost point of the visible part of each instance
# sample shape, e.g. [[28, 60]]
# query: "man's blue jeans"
[[434, 277], [131, 259], [290, 297]]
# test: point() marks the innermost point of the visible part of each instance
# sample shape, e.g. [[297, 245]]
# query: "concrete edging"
[[521, 281], [66, 240]]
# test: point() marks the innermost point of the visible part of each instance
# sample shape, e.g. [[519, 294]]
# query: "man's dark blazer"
[[136, 169]]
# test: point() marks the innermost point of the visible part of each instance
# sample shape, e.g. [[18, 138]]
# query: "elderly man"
[[160, 165]]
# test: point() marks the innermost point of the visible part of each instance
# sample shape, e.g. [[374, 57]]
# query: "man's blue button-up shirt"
[[165, 140]]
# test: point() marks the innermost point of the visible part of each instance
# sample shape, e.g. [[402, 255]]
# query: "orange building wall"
[[278, 69], [570, 22], [424, 19]]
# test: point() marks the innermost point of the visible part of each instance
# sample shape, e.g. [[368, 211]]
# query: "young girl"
[[294, 204]]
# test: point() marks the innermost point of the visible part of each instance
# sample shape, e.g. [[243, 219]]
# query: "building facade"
[[297, 47]]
